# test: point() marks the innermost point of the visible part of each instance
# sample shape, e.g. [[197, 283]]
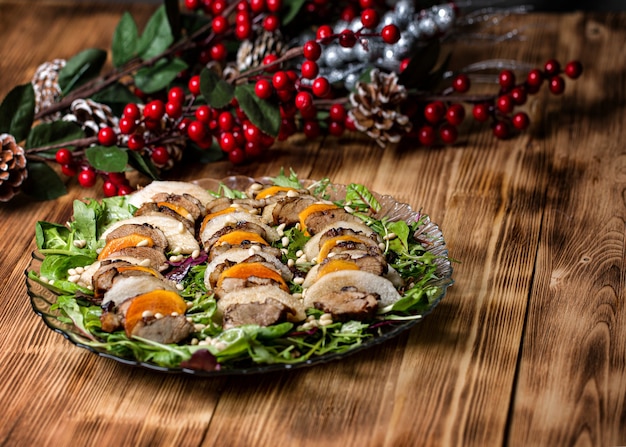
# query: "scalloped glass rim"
[[42, 298]]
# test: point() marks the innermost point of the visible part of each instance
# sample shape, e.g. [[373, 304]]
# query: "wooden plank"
[[572, 377]]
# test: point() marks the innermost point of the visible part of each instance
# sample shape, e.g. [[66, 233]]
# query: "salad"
[[262, 274]]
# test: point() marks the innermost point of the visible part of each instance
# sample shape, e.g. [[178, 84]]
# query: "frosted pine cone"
[[45, 83], [12, 167], [91, 116], [251, 53], [376, 108]]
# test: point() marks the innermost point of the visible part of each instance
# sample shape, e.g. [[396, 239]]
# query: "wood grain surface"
[[527, 349]]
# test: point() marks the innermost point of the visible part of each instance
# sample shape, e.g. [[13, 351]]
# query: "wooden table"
[[528, 347]]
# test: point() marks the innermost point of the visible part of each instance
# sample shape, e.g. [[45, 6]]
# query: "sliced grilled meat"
[[285, 210], [169, 329], [182, 202], [263, 313], [154, 257], [151, 209], [157, 236], [349, 304], [318, 220]]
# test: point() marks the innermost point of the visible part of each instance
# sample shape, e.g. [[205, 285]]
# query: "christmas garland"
[[228, 78]]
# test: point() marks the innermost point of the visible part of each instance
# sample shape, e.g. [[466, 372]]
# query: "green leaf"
[[290, 10], [17, 111], [263, 114], [156, 37], [43, 183], [172, 10], [422, 62], [83, 67], [108, 159], [52, 133], [217, 92], [125, 40], [142, 165], [115, 96], [360, 196], [160, 75]]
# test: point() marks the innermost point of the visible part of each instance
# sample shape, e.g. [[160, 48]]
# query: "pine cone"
[[91, 116], [45, 83], [251, 53], [12, 167], [376, 108]]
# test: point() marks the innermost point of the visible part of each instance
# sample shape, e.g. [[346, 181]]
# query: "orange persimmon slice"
[[139, 268], [316, 207], [328, 245], [336, 265], [210, 216], [248, 269], [131, 240], [177, 209], [238, 236], [164, 302], [272, 190]]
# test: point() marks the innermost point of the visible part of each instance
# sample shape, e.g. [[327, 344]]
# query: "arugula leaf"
[[358, 196], [290, 181]]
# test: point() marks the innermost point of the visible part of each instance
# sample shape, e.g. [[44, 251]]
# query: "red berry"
[[218, 52], [534, 78], [348, 13], [321, 87], [369, 18], [263, 88], [404, 63], [251, 132], [136, 142], [243, 30], [242, 16], [218, 6], [131, 111], [176, 94], [253, 149], [448, 133], [227, 141], [434, 111], [271, 23], [240, 138], [219, 24], [518, 95], [194, 85], [557, 85], [107, 136], [347, 38], [109, 188], [304, 100], [506, 79], [349, 123], [127, 126], [427, 135], [192, 5], [309, 69], [69, 170], [520, 121], [505, 104], [309, 113], [390, 34], [311, 129], [461, 83], [501, 130], [237, 156], [63, 156], [197, 131], [119, 178], [336, 128], [270, 59], [154, 110], [257, 5], [552, 67], [173, 109], [455, 114], [337, 112], [203, 114], [160, 155], [226, 121], [273, 5], [87, 178], [573, 69], [481, 112], [312, 50], [324, 33], [281, 81], [367, 3], [124, 190]]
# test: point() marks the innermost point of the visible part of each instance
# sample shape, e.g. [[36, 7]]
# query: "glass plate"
[[42, 298]]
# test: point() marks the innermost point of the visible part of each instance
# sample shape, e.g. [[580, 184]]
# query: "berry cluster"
[[441, 119]]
